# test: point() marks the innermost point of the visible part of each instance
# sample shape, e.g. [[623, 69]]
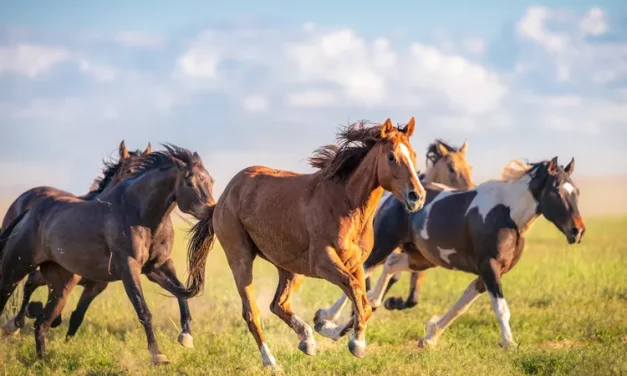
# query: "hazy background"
[[267, 82]]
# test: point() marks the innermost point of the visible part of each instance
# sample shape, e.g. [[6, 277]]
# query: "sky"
[[268, 82]]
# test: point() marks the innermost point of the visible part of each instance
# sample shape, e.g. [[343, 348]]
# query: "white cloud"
[[593, 22], [562, 38], [311, 98], [255, 103], [101, 73], [31, 60], [475, 45], [138, 39]]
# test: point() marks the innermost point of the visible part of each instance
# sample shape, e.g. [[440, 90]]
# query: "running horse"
[[316, 225], [112, 174], [446, 165], [109, 239], [482, 231]]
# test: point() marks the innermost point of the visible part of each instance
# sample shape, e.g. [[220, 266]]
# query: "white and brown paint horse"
[[446, 165], [482, 231]]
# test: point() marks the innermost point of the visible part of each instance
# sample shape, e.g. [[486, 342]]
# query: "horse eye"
[[391, 157]]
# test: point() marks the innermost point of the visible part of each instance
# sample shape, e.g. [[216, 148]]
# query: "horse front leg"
[[130, 272], [91, 290], [165, 276]]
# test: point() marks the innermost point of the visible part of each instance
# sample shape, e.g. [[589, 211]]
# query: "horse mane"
[[433, 151], [338, 161], [162, 159], [109, 170], [516, 169]]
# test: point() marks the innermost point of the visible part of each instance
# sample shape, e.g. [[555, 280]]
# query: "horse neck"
[[431, 175], [363, 189], [154, 191], [522, 205]]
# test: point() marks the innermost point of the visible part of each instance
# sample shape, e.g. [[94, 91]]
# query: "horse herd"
[[336, 224]]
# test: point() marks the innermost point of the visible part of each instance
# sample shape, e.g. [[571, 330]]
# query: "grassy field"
[[568, 305]]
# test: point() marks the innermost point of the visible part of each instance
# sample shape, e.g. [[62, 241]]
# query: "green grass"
[[568, 305]]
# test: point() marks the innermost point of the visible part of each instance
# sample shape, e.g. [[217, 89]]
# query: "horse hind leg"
[[240, 253], [281, 306], [91, 290], [15, 265], [13, 326], [61, 283]]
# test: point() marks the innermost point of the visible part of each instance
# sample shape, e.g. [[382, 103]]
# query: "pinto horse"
[[316, 225], [445, 165], [482, 231], [113, 173], [109, 239]]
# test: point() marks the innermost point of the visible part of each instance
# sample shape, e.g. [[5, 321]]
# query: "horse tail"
[[5, 234], [201, 242]]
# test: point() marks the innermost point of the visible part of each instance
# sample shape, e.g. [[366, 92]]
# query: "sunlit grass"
[[568, 305]]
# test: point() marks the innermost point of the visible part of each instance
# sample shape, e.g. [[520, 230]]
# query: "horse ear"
[[570, 167], [122, 150], [387, 128], [409, 128], [148, 149], [464, 148], [552, 166], [443, 150]]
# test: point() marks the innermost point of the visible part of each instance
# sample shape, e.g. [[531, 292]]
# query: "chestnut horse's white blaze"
[[409, 161]]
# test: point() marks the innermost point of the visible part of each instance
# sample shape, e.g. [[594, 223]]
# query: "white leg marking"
[[502, 314], [297, 321], [446, 253], [333, 313], [266, 355], [395, 263], [436, 325]]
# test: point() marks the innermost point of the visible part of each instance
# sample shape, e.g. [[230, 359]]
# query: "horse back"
[[28, 199]]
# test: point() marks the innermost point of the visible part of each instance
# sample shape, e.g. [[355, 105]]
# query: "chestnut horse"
[[117, 230], [445, 165], [113, 173], [316, 225]]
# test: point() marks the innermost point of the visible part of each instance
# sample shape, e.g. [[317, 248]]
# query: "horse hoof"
[[357, 348], [159, 360], [320, 316], [186, 340], [509, 345], [10, 328], [424, 343], [308, 346], [392, 303], [34, 310]]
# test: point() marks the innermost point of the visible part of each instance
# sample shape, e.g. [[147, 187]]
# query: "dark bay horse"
[[482, 231], [113, 173], [317, 225], [445, 165], [109, 239]]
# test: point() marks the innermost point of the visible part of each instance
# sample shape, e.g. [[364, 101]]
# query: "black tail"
[[6, 233], [201, 242]]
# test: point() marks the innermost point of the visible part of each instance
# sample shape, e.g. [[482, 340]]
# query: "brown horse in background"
[[113, 173], [317, 225], [446, 165]]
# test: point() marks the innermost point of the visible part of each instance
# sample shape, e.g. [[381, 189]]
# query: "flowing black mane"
[[109, 170], [163, 159]]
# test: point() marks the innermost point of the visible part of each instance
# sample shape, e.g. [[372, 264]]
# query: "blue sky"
[[267, 82]]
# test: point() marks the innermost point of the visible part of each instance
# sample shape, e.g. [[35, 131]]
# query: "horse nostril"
[[575, 231], [412, 195]]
